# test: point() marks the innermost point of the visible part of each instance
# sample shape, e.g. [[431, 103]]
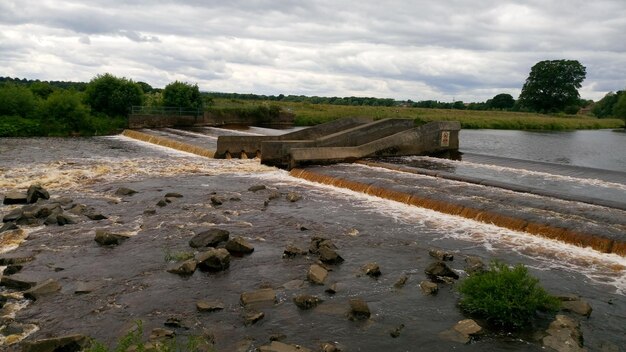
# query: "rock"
[[78, 209], [440, 254], [396, 332], [371, 270], [579, 307], [239, 245], [273, 195], [70, 343], [160, 333], [293, 284], [358, 309], [401, 281], [51, 220], [85, 287], [149, 211], [14, 197], [568, 297], [332, 289], [318, 242], [8, 226], [13, 215], [276, 346], [329, 255], [455, 336], [317, 274], [474, 264], [63, 220], [213, 260], [47, 210], [209, 238], [329, 347], [11, 259], [36, 192], [12, 269], [306, 301], [293, 197], [564, 335], [123, 191], [47, 287], [216, 200], [105, 238], [27, 219], [440, 272], [185, 268], [92, 214], [173, 195], [209, 306], [468, 327], [176, 322], [428, 287], [293, 251], [253, 317], [16, 283], [12, 329], [161, 203], [256, 188], [258, 296], [277, 337]]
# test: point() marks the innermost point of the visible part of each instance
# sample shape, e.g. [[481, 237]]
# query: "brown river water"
[[130, 281]]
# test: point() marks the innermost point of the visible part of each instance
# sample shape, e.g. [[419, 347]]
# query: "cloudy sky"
[[413, 49]]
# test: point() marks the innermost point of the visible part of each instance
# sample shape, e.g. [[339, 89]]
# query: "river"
[[132, 282]]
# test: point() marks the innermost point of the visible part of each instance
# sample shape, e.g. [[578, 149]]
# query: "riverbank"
[[105, 289]]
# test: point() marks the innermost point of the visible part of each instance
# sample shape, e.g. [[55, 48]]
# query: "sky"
[[446, 50]]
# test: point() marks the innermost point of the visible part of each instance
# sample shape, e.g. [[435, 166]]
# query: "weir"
[[345, 140]]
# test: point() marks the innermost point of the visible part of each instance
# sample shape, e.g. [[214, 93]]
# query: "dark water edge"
[[133, 283]]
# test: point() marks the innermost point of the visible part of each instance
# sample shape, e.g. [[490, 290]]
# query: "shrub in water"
[[505, 296]]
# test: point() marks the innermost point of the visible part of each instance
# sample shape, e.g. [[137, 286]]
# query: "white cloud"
[[403, 49]]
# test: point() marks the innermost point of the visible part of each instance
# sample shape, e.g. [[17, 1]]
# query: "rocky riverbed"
[[249, 258]]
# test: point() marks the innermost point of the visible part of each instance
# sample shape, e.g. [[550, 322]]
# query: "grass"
[[311, 114], [504, 296]]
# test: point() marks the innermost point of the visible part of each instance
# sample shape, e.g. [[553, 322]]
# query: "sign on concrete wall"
[[445, 138]]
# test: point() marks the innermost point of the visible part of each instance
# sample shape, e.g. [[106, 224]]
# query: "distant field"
[[312, 114]]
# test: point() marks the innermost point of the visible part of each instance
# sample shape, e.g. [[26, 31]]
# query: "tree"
[[64, 111], [183, 95], [502, 101], [16, 100], [552, 85], [111, 95], [604, 107], [619, 110]]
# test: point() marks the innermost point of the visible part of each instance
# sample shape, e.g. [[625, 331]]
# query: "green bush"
[[15, 126], [504, 296]]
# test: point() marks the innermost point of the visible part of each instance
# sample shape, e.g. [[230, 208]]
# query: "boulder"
[[258, 296], [401, 281], [173, 195], [474, 264], [253, 317], [70, 343], [329, 256], [317, 274], [185, 268], [239, 245], [306, 301], [209, 306], [106, 238], [16, 283], [564, 335], [209, 238], [36, 192], [371, 270], [440, 272], [123, 191], [47, 287], [429, 287], [63, 219], [213, 260], [277, 346], [358, 309], [13, 215], [577, 306], [440, 254], [293, 197], [256, 188], [8, 226], [293, 251], [14, 197], [468, 327]]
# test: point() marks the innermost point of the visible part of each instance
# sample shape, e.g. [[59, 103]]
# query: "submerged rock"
[[106, 238], [173, 195], [188, 267], [401, 281], [217, 200], [258, 296], [440, 272], [239, 245], [306, 301], [564, 335], [277, 346], [371, 269], [577, 306], [293, 251], [428, 287], [474, 264], [213, 260], [317, 274], [209, 306], [293, 197], [440, 254], [47, 287], [17, 283], [9, 226], [396, 332], [253, 317], [209, 238], [70, 343], [358, 309], [256, 188], [123, 191], [329, 255], [13, 215]]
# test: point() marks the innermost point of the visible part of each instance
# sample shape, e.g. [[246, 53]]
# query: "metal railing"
[[165, 111]]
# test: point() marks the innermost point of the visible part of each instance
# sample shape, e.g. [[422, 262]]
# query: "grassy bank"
[[311, 114]]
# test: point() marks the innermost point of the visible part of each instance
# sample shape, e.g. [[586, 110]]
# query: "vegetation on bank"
[[506, 297]]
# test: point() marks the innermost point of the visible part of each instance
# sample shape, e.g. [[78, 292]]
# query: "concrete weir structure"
[[344, 140]]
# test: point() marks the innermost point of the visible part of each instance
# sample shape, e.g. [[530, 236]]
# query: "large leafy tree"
[[183, 95], [16, 100], [619, 110], [111, 95], [553, 85], [502, 101]]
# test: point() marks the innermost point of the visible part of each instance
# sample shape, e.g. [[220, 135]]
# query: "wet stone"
[[440, 272], [256, 188], [14, 197], [317, 274], [161, 203], [106, 238], [273, 195], [293, 284], [293, 251], [188, 267], [371, 270], [468, 327], [332, 289], [277, 346], [440, 254], [160, 333], [358, 309], [36, 192], [306, 301], [85, 287], [209, 306], [258, 296], [253, 317], [396, 332], [173, 195], [149, 211], [16, 283], [239, 245], [209, 238], [45, 288], [213, 260], [124, 191], [44, 211], [564, 335], [8, 226], [12, 269], [329, 347], [63, 220], [11, 259], [329, 255], [578, 306], [293, 197], [13, 215], [401, 281], [217, 200], [27, 219], [429, 287], [94, 215], [70, 343], [474, 264]]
